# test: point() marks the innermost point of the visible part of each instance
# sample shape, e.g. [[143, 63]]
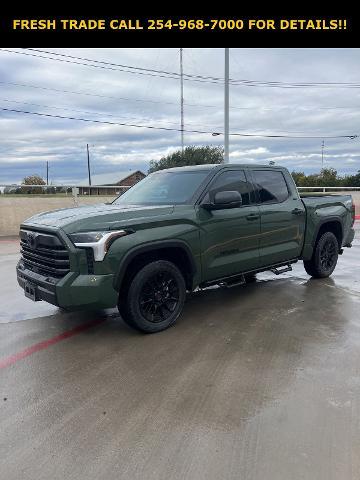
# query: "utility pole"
[[88, 162], [47, 173], [182, 101], [322, 155], [226, 108]]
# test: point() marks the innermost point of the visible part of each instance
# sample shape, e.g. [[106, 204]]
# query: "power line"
[[86, 112], [72, 92], [105, 114], [123, 124], [151, 70], [86, 93], [152, 127], [174, 76], [160, 102], [107, 67], [203, 77]]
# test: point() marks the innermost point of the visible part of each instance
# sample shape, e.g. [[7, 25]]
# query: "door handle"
[[297, 211], [252, 216]]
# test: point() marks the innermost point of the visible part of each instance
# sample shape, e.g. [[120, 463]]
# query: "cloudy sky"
[[35, 84]]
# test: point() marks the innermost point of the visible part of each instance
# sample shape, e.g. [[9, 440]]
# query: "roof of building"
[[108, 178]]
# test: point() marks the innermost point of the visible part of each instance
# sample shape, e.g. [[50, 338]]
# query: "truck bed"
[[325, 200], [324, 208]]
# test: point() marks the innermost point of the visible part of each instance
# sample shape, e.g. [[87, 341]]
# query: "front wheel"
[[325, 256], [155, 297]]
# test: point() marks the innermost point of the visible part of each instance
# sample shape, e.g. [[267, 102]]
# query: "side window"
[[270, 185], [233, 180]]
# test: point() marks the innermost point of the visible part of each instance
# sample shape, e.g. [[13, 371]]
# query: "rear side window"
[[270, 185], [233, 180]]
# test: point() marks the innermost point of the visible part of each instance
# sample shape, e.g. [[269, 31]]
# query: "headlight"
[[99, 241]]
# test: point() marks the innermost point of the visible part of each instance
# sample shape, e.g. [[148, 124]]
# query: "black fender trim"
[[324, 222], [150, 247]]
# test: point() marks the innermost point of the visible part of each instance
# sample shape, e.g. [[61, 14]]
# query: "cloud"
[[27, 141], [252, 151]]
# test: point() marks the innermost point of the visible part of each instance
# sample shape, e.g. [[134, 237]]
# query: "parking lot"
[[255, 382]]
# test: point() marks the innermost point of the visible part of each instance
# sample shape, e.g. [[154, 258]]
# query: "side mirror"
[[222, 200]]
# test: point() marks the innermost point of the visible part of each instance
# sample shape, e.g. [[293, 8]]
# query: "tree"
[[33, 180], [328, 177], [191, 156], [299, 178], [352, 180]]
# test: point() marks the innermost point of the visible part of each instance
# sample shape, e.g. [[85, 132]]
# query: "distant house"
[[11, 188], [119, 181]]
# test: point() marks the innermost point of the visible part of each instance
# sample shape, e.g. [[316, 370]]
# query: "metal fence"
[[328, 189]]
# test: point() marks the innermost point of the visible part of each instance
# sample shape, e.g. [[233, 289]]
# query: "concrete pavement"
[[255, 382]]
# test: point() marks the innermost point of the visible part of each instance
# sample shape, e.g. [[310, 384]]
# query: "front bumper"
[[74, 291]]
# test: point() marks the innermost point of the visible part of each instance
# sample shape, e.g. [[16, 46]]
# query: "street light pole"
[[88, 162], [226, 108], [182, 101]]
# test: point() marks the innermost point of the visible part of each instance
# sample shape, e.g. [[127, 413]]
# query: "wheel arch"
[[176, 251], [333, 225]]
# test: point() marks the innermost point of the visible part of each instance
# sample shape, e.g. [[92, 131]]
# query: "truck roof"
[[218, 166]]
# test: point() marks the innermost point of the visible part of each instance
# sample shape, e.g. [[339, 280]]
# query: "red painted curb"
[[357, 217], [47, 343]]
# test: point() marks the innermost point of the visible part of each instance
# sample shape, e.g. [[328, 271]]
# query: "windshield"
[[167, 188]]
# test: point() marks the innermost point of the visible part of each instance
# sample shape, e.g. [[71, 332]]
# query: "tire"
[[325, 256], [154, 298]]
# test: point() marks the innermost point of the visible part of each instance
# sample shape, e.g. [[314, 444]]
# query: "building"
[[119, 180]]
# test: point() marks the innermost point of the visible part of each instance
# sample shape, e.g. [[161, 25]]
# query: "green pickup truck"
[[178, 230]]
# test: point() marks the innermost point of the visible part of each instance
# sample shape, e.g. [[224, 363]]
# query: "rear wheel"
[[154, 298], [325, 256]]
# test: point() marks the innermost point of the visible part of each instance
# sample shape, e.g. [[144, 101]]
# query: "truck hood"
[[98, 217]]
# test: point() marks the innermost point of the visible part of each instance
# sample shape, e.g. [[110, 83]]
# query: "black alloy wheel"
[[328, 255], [155, 297], [325, 256], [159, 297]]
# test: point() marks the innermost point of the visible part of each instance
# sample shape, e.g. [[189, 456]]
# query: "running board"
[[239, 278], [288, 268], [234, 283]]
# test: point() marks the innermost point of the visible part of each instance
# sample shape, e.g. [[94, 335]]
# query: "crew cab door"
[[282, 216], [229, 238]]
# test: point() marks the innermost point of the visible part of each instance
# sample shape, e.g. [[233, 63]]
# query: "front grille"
[[44, 253]]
